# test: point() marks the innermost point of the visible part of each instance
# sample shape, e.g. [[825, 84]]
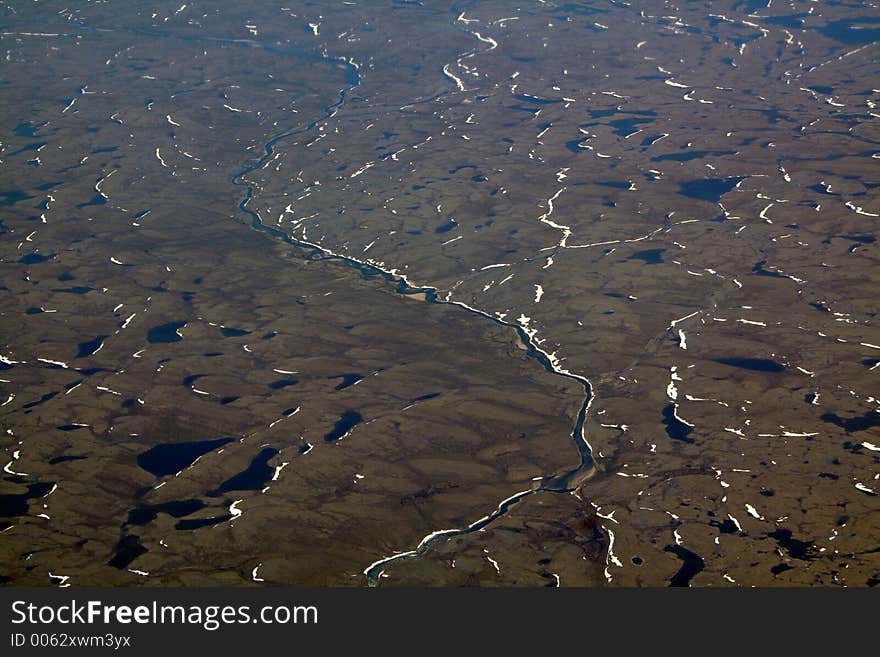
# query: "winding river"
[[559, 483]]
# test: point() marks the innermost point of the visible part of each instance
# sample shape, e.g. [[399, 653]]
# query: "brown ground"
[[640, 277]]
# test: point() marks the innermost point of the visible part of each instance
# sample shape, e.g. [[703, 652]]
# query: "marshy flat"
[[440, 293]]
